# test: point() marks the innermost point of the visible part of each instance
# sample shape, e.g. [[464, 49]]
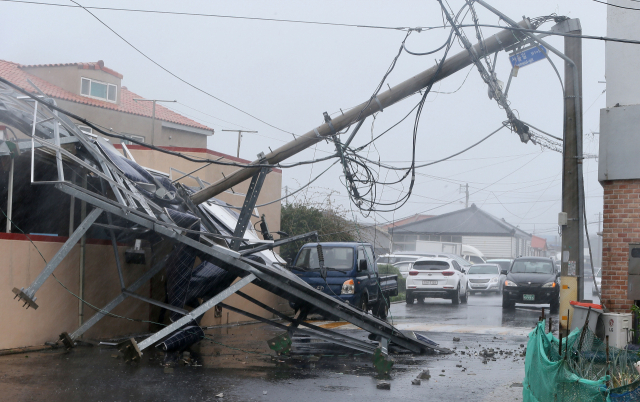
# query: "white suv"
[[439, 278]]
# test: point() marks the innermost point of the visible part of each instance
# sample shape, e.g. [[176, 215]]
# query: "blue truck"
[[348, 272]]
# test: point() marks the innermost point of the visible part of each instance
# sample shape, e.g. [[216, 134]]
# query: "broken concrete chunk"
[[415, 382], [424, 375], [456, 339], [384, 385], [220, 395]]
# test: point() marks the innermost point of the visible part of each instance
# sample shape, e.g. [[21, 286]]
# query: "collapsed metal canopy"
[[139, 203]]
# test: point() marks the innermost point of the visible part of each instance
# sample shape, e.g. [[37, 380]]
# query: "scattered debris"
[[456, 339], [220, 395], [415, 381], [381, 385], [424, 375]]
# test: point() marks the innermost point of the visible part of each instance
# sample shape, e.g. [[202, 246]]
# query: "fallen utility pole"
[[394, 95]]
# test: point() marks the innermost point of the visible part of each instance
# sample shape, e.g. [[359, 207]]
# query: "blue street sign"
[[528, 56]]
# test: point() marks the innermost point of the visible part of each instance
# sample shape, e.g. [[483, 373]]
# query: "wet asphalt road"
[[239, 365]]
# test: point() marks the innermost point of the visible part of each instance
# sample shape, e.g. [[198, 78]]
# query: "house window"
[[98, 90], [133, 137]]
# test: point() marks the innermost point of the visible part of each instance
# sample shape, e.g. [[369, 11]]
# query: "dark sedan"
[[531, 280]]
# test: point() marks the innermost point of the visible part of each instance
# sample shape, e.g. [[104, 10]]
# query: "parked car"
[[437, 277], [401, 256], [352, 275], [485, 278], [531, 280], [472, 254], [596, 291], [404, 267], [505, 264]]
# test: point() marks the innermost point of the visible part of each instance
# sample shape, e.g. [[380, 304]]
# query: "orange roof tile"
[[12, 72], [99, 65]]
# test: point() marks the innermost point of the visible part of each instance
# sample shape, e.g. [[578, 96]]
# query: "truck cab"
[[351, 274]]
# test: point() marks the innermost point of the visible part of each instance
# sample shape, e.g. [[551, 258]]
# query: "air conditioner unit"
[[618, 327]]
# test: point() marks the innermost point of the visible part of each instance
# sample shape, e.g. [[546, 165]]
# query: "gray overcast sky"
[[288, 74]]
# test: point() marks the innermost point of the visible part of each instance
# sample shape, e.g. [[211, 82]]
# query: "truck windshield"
[[334, 257], [483, 269], [430, 265], [532, 267]]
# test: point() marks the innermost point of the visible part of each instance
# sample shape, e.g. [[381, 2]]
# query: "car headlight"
[[347, 287], [494, 279], [549, 285], [509, 283]]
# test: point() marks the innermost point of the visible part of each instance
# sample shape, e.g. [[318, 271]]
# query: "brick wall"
[[621, 227]]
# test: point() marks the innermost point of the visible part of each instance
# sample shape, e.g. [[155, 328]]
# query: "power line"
[[420, 28], [216, 16], [176, 76], [614, 5]]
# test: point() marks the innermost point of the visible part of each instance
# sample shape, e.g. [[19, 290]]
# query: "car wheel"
[[456, 296], [363, 302], [507, 304], [381, 310], [465, 297], [409, 297]]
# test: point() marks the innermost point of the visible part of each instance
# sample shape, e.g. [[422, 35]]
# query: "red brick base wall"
[[621, 227]]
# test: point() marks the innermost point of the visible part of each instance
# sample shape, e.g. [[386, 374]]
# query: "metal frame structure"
[[131, 206]]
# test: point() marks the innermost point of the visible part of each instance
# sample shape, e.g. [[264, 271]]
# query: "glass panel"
[[431, 265], [532, 267], [112, 93], [483, 269], [370, 259], [85, 86], [98, 90], [334, 257]]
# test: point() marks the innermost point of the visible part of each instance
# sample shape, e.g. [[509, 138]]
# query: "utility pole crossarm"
[[414, 84]]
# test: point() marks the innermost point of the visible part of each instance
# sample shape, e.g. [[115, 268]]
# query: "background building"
[[494, 237], [618, 169]]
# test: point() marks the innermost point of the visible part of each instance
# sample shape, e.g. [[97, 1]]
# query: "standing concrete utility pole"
[[572, 195], [239, 137], [395, 94], [466, 191], [153, 114], [572, 282], [466, 203]]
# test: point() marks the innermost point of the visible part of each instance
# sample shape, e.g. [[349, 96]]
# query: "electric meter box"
[[633, 284], [618, 327]]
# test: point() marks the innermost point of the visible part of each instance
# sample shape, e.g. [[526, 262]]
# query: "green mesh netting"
[[578, 372]]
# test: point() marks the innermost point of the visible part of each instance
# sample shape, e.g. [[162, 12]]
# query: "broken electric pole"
[[394, 95]]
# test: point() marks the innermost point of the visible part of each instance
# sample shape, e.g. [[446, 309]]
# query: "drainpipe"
[[10, 198]]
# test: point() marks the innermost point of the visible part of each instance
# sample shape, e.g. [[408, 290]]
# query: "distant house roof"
[[98, 65], [411, 219], [470, 221], [14, 72], [538, 242]]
